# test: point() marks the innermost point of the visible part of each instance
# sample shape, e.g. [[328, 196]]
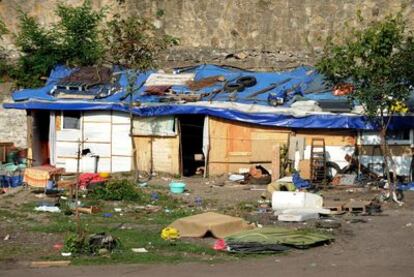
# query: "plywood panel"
[[121, 164], [97, 132], [235, 145], [218, 146], [332, 138], [165, 153], [263, 143], [121, 141], [97, 116], [239, 138], [143, 145]]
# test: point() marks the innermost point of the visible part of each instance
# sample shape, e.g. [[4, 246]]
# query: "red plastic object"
[[220, 245], [58, 246]]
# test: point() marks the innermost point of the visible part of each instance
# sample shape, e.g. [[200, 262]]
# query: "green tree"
[[378, 61], [134, 43], [4, 57], [74, 40], [78, 28], [39, 51]]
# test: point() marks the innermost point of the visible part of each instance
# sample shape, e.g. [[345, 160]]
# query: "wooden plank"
[[58, 120], [143, 153], [304, 169], [275, 167], [263, 142], [165, 155], [239, 138], [44, 264]]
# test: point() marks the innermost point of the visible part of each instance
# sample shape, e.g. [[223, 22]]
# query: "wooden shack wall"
[[235, 146], [164, 152]]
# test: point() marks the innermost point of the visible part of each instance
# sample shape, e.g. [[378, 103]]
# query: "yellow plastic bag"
[[170, 233]]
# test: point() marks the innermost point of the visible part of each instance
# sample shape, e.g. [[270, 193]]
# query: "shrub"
[[117, 190]]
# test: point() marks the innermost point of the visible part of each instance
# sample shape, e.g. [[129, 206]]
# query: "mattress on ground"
[[218, 225]]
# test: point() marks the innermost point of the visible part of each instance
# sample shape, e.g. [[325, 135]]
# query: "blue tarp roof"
[[305, 79]]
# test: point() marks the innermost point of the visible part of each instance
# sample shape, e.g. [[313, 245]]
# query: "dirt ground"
[[380, 245]]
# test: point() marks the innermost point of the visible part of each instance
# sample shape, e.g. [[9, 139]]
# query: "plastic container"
[[283, 200], [177, 187]]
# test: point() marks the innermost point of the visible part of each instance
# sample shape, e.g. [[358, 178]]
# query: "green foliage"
[[3, 29], [79, 29], [73, 40], [75, 244], [4, 57], [134, 42], [377, 60], [39, 51], [117, 190]]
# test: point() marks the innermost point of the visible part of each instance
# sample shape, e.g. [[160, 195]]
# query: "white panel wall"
[[68, 163], [120, 164], [106, 134], [120, 118], [402, 163], [68, 135], [121, 141], [97, 132], [334, 154]]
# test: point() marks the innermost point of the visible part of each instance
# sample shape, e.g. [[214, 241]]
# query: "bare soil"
[[381, 245]]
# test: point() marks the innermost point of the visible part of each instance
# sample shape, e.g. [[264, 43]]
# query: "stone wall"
[[252, 34], [255, 34], [13, 127]]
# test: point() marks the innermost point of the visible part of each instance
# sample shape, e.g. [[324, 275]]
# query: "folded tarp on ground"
[[274, 239], [218, 225]]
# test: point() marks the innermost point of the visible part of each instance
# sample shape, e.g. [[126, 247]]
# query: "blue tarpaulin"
[[303, 81]]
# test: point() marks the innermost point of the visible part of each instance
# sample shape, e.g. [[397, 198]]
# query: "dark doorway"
[[191, 127], [40, 139]]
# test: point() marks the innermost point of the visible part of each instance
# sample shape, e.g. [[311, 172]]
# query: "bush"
[[73, 40], [117, 190]]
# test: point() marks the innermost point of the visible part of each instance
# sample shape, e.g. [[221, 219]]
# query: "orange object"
[[343, 89]]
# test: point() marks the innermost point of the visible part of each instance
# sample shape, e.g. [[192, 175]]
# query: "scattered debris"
[[170, 233], [139, 250], [50, 209]]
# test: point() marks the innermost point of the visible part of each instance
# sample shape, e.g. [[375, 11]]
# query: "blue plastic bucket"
[[177, 187]]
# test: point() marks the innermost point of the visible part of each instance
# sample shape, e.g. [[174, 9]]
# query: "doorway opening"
[[40, 137], [191, 134]]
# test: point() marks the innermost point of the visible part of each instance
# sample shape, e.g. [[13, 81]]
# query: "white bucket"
[[283, 200]]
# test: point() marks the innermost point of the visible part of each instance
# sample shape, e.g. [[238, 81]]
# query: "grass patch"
[[158, 250]]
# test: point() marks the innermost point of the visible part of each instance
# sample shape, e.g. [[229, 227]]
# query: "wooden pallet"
[[357, 206], [334, 206]]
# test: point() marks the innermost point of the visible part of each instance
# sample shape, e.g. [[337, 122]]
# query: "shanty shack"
[[203, 119]]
